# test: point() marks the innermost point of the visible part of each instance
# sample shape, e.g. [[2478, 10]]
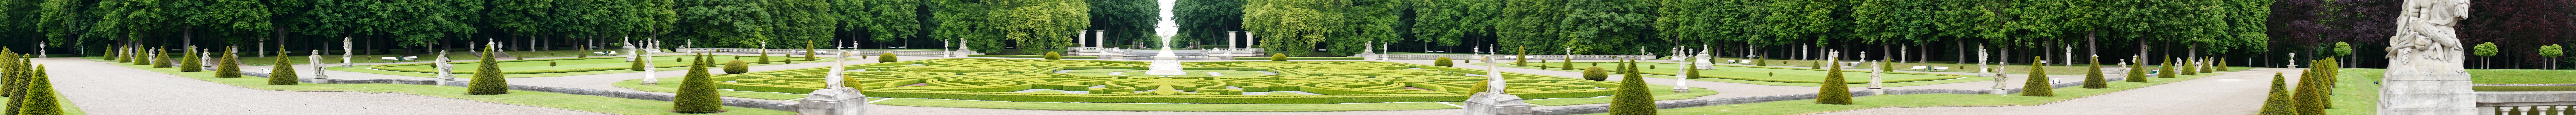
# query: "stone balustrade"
[[2525, 102]]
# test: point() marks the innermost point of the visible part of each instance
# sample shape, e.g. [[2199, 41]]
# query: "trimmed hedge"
[[1442, 61], [2278, 101], [1838, 94], [2037, 83], [2093, 77], [1633, 97], [880, 81], [735, 67], [1945, 76], [888, 57], [1595, 74], [1276, 58], [189, 62], [228, 66], [488, 84], [1052, 55], [397, 67], [283, 73], [697, 93], [1032, 56]]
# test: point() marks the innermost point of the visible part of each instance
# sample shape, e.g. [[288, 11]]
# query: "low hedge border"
[[1032, 56], [1944, 76], [396, 67], [1558, 87], [1303, 58]]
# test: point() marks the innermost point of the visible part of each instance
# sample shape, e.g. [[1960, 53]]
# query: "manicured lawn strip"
[[2059, 69], [1809, 106], [1165, 106], [602, 104], [2356, 91], [2520, 76], [1662, 92], [667, 87], [66, 104], [1192, 73], [2523, 88], [1747, 71]]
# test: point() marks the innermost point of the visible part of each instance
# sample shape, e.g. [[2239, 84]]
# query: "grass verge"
[[566, 64], [2520, 76], [1165, 106], [602, 104], [1809, 106], [1793, 74], [2356, 92]]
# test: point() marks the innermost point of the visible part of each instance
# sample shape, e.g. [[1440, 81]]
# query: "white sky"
[[1165, 27]]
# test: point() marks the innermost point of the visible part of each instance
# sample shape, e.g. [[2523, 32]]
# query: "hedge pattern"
[[1755, 78], [996, 79], [398, 67], [1031, 56], [1280, 58]]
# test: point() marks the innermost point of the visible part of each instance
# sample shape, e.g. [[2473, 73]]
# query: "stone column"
[[2424, 74], [1078, 38], [1231, 41], [1253, 41], [1096, 37], [319, 75], [1493, 101]]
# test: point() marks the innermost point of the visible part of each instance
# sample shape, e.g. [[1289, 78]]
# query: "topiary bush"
[[1834, 91], [2165, 71], [736, 67], [1569, 64], [1693, 70], [1052, 55], [809, 51], [2278, 101], [227, 67], [2093, 77], [1278, 57], [1523, 58], [764, 57], [283, 73], [488, 83], [638, 63], [697, 93], [1442, 62], [2307, 100], [2187, 68], [2138, 73], [160, 58], [885, 57], [36, 98], [188, 61], [2037, 84], [1632, 97], [1595, 74]]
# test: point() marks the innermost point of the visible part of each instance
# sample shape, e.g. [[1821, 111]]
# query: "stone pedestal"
[[833, 102], [1491, 103]]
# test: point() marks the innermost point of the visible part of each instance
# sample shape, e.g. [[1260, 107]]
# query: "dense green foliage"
[[283, 74], [736, 67], [1442, 62], [37, 97], [228, 66], [1445, 84], [579, 65], [1633, 98], [697, 92], [885, 57], [1069, 57], [1207, 21], [1052, 55], [2037, 84], [1834, 92], [1596, 74], [488, 83]]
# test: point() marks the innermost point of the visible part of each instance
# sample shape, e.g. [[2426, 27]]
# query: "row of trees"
[[1654, 26], [93, 26]]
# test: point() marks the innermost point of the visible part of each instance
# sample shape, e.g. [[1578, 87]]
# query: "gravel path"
[[2236, 93], [100, 88]]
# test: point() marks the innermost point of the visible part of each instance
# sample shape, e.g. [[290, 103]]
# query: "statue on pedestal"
[[2424, 74]]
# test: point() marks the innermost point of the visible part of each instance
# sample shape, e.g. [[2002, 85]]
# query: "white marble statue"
[[2424, 75]]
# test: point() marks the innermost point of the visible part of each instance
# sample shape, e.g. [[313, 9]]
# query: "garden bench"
[[1922, 67], [604, 52], [2043, 62], [388, 58], [1940, 68]]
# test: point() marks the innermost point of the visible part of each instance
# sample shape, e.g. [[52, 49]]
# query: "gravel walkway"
[[101, 88]]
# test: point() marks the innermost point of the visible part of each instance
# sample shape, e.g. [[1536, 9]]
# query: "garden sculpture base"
[[1496, 104], [833, 102]]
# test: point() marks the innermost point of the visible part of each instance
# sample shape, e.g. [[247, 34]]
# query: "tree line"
[[93, 26]]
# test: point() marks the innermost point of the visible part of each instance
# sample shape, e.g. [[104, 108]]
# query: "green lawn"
[[1918, 100], [1776, 73], [602, 104], [2521, 76], [66, 104], [250, 59], [570, 67], [1662, 92], [1166, 106], [668, 86], [2018, 68], [2356, 92]]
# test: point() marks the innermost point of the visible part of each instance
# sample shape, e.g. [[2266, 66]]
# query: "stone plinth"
[[833, 102], [1490, 103]]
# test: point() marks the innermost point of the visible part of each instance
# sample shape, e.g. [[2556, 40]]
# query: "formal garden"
[[1119, 86], [565, 66]]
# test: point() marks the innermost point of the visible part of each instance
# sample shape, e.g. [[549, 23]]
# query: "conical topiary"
[[736, 67], [1523, 58], [1835, 90], [2038, 81], [2307, 99], [1567, 65], [284, 73], [188, 61], [886, 57], [2165, 71], [2278, 102], [487, 77], [38, 97], [1595, 74], [1442, 62], [161, 59], [1693, 71], [2188, 68], [2205, 67], [115, 53], [1632, 97], [2093, 77], [697, 93], [2137, 73], [227, 67], [809, 51], [2328, 79], [638, 64], [764, 56]]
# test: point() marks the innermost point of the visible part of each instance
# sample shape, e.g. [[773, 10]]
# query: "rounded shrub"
[[736, 67], [2037, 84], [227, 66], [1278, 56], [1834, 89], [1595, 74], [1442, 62], [1052, 55], [488, 83], [885, 57]]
